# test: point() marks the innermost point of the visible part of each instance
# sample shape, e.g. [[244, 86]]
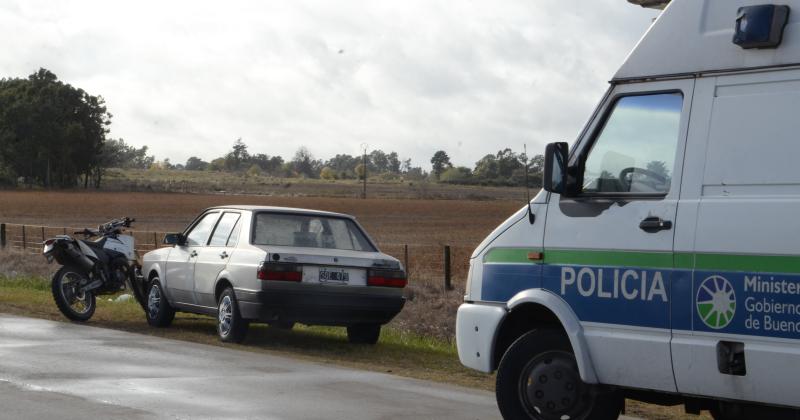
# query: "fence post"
[[23, 237], [43, 238], [405, 260], [447, 284], [2, 235], [155, 240]]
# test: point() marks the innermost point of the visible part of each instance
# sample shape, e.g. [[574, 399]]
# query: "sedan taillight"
[[387, 278], [280, 272]]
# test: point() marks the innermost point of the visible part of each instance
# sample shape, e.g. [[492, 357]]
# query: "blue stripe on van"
[[757, 304]]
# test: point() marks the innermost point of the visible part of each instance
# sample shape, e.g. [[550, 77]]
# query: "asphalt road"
[[66, 371]]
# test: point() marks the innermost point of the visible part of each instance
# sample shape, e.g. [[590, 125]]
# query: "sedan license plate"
[[333, 275]]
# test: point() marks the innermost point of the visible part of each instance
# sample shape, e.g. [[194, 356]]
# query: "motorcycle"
[[103, 262]]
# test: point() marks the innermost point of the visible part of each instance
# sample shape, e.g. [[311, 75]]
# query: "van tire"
[[547, 354]]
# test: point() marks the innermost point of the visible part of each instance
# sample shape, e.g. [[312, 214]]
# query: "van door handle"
[[223, 255], [655, 224], [193, 254]]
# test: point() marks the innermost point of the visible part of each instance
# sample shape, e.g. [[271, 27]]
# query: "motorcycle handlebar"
[[112, 226]]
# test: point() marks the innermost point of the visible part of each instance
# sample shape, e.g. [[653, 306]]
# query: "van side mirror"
[[174, 239], [555, 167]]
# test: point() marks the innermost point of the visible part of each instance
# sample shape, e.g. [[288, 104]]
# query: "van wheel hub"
[[551, 388]]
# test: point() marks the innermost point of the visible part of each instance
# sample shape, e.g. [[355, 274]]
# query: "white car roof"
[[695, 36], [277, 209]]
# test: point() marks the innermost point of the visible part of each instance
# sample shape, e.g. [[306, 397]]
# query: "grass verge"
[[398, 353]]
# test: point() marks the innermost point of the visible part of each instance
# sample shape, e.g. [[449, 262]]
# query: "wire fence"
[[423, 262]]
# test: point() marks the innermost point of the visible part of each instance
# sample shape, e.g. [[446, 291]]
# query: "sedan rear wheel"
[[364, 333], [230, 325]]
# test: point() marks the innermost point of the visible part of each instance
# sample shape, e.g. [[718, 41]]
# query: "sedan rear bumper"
[[320, 305]]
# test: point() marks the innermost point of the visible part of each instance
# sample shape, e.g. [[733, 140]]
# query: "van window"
[[635, 150]]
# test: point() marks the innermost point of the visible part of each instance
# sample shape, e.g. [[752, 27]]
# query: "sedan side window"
[[223, 229], [200, 232], [234, 238], [635, 150]]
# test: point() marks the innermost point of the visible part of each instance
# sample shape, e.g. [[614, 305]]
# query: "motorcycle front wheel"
[[74, 304]]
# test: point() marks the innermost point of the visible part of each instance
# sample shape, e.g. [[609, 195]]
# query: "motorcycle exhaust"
[[85, 262]]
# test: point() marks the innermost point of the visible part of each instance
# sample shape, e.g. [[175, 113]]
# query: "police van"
[[661, 261]]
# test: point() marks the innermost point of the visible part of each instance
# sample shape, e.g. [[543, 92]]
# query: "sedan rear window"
[[309, 231]]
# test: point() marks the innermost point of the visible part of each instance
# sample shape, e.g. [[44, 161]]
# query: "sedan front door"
[[179, 277]]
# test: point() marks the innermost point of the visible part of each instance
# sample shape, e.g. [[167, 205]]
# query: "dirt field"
[[424, 225]]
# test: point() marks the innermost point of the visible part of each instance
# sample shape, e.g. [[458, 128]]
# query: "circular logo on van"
[[716, 302]]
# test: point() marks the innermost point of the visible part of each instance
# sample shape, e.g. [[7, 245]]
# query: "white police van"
[[662, 260]]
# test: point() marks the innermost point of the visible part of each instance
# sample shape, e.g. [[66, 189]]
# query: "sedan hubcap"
[[154, 301], [225, 315]]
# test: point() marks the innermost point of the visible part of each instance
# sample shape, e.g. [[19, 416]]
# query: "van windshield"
[[309, 231]]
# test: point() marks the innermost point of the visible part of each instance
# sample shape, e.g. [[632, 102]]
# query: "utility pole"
[[364, 165]]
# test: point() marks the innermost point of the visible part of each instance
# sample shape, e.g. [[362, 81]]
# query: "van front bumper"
[[476, 332]]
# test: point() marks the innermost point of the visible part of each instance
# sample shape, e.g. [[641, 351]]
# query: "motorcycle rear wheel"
[[75, 305]]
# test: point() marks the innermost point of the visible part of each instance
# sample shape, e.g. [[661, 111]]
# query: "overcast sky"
[[469, 77]]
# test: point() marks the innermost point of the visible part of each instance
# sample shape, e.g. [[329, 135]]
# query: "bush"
[[327, 173], [456, 175], [254, 170]]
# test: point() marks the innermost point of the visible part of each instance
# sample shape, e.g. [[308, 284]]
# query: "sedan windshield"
[[309, 231]]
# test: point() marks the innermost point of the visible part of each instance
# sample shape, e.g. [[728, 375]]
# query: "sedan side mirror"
[[174, 239], [555, 167]]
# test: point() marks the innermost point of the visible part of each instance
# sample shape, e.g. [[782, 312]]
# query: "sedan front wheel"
[[159, 312]]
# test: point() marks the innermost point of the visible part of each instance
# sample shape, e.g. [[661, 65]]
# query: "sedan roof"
[[276, 209]]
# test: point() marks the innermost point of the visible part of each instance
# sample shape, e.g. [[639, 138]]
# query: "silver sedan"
[[276, 265]]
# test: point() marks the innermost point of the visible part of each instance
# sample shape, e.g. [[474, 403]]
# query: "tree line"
[[55, 135], [504, 168]]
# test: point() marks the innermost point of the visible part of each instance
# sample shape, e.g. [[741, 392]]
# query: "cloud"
[[188, 78]]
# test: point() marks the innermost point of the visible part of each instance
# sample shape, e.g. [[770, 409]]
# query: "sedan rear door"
[[213, 258]]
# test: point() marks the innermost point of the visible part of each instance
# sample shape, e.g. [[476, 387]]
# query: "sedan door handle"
[[655, 224], [223, 255], [193, 254]]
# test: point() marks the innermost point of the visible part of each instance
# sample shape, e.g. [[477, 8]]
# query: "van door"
[[736, 322], [609, 250]]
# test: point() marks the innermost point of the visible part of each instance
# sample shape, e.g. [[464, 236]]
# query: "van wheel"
[[159, 312], [538, 379], [230, 325], [364, 333]]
